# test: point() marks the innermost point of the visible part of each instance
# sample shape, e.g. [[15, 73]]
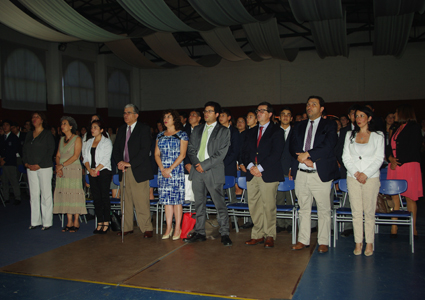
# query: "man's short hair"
[[321, 101], [217, 107], [354, 107], [183, 114], [197, 112], [269, 106], [8, 122], [226, 111], [134, 107], [285, 108]]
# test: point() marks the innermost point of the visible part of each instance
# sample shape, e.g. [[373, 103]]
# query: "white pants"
[[363, 201], [40, 185]]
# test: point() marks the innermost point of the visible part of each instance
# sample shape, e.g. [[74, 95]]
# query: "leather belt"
[[307, 171]]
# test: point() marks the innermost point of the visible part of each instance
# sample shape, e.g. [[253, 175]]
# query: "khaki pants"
[[262, 207], [137, 196], [363, 199], [307, 186]]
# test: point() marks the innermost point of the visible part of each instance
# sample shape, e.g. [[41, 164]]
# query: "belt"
[[307, 171]]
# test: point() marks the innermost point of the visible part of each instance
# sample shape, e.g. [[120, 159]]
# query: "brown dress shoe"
[[125, 232], [323, 248], [269, 242], [148, 234], [299, 246], [252, 242]]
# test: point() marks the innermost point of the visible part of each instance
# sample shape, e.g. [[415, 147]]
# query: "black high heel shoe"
[[104, 231], [97, 231]]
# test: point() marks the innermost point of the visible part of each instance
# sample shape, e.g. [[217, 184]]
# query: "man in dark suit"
[[195, 118], [262, 151], [131, 151], [348, 226], [9, 147], [283, 198], [230, 165], [183, 119], [314, 167], [208, 145]]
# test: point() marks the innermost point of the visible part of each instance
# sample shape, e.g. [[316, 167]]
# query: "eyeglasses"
[[128, 113], [208, 111], [263, 111]]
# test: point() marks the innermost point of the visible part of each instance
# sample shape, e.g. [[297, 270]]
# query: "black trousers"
[[100, 187]]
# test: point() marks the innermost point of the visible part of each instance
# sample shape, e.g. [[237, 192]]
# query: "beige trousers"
[[363, 199], [137, 196], [307, 186], [262, 207]]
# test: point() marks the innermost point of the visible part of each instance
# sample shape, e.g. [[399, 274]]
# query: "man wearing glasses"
[[131, 151], [261, 154], [208, 145]]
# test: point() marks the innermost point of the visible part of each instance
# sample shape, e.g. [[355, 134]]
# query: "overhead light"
[[62, 47]]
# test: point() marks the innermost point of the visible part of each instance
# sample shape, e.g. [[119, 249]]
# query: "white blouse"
[[365, 158]]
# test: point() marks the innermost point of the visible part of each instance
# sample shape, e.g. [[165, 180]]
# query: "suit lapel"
[[319, 130], [212, 138]]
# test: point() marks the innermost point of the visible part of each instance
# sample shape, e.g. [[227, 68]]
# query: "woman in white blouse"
[[97, 159], [363, 156]]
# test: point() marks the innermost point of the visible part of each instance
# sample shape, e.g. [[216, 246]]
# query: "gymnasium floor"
[[393, 272]]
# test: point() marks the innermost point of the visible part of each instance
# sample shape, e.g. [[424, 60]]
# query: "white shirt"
[[210, 130], [102, 155], [315, 125], [287, 130]]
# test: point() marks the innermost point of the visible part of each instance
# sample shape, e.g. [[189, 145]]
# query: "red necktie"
[[258, 141]]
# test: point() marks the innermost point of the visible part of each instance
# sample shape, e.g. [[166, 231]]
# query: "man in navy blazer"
[[312, 146], [283, 198], [230, 167], [262, 151], [131, 152], [9, 147]]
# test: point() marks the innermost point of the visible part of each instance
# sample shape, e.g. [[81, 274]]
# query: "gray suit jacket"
[[217, 147]]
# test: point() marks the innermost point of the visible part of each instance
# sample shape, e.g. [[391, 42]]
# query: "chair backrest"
[[116, 179], [230, 182], [383, 174], [242, 183], [342, 184], [393, 187], [286, 186], [153, 183], [22, 169]]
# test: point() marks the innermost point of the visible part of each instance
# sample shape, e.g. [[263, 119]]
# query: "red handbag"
[[189, 221]]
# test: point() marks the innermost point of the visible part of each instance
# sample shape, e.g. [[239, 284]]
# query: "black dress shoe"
[[195, 238], [247, 225], [347, 233], [226, 240]]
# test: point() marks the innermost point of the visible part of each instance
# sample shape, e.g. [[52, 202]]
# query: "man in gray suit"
[[208, 145]]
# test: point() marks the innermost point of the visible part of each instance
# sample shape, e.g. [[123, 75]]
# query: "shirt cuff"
[[250, 166], [260, 168]]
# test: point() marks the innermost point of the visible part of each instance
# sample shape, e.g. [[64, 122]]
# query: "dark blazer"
[[269, 152], [286, 159], [408, 144], [9, 148], [323, 151], [139, 146], [217, 147], [340, 148], [232, 155], [186, 160], [22, 136]]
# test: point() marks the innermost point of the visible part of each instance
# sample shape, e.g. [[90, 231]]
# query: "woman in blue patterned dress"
[[170, 150]]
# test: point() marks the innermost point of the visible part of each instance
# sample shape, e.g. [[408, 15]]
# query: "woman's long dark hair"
[[371, 125], [101, 126]]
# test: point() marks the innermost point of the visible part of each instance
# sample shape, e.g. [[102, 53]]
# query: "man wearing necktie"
[[208, 145], [131, 151], [314, 167], [261, 154]]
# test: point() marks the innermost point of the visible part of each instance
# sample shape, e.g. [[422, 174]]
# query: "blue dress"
[[171, 190]]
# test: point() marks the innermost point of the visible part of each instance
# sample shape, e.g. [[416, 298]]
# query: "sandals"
[[74, 229], [65, 229], [46, 227], [34, 227]]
